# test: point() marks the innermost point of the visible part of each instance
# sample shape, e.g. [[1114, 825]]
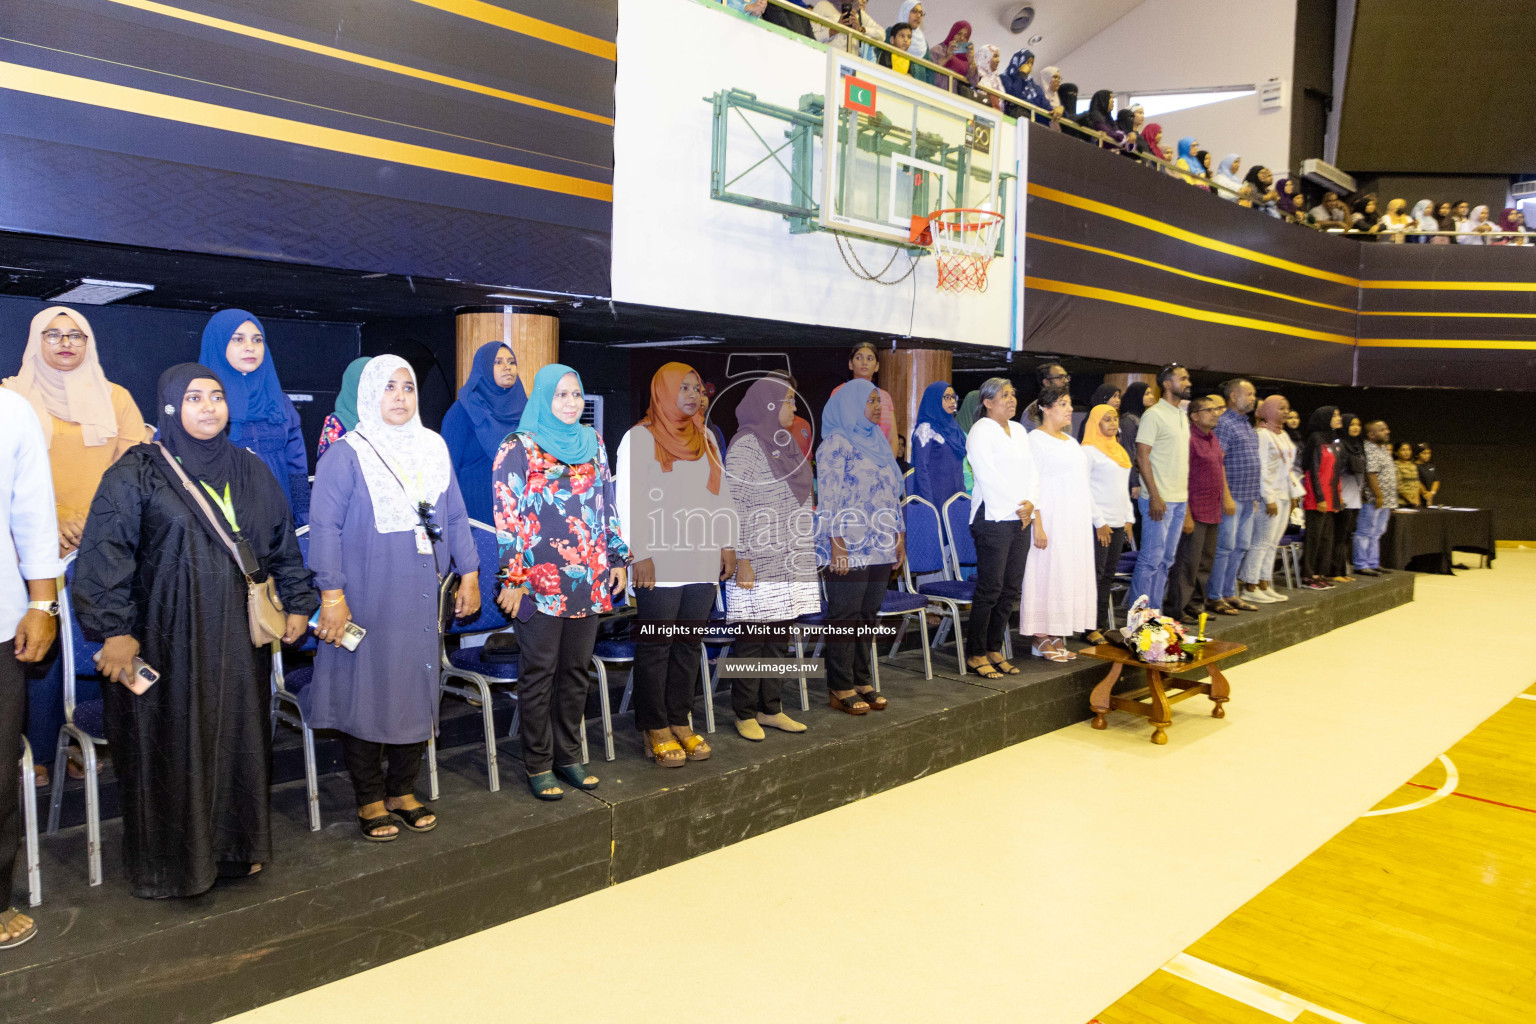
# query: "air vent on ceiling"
[[1022, 19]]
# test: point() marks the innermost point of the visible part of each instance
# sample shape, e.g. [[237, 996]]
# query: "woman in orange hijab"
[[1109, 485], [675, 503]]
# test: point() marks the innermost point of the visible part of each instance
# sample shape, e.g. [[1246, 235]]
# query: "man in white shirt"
[[1277, 459], [1162, 457], [29, 567]]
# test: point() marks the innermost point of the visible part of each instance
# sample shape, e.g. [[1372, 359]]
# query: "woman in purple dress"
[[386, 523]]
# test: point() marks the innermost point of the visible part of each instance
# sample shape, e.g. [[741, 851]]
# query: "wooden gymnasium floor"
[[1054, 878]]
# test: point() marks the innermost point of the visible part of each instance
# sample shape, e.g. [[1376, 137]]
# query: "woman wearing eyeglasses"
[[88, 422], [386, 522]]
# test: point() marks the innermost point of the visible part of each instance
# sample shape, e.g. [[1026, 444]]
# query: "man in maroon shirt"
[[1209, 499]]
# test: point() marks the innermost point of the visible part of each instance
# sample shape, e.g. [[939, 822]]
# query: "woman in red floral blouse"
[[560, 546]]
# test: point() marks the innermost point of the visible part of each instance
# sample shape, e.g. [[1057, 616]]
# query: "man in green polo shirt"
[[1162, 457]]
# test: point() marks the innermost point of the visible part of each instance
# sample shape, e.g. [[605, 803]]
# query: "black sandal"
[[369, 827], [1004, 666], [873, 699], [986, 670], [847, 705], [410, 816]]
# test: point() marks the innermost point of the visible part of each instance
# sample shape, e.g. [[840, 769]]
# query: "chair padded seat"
[[298, 679], [1127, 563], [896, 602], [955, 590], [468, 659], [614, 650], [90, 717]]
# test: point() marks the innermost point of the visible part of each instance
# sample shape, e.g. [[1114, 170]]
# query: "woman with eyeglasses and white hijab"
[[387, 521]]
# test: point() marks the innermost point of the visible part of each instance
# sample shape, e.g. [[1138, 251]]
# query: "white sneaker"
[[1258, 597], [1275, 595]]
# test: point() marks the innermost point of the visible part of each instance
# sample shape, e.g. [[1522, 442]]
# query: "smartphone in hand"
[[143, 677]]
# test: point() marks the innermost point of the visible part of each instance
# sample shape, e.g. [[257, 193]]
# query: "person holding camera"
[[387, 523], [156, 585]]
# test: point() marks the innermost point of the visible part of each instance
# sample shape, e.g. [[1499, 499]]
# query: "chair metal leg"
[[954, 613], [92, 810], [56, 798], [311, 777], [922, 627], [432, 790], [874, 664], [901, 634], [704, 681], [602, 702], [29, 815], [488, 721], [805, 698]]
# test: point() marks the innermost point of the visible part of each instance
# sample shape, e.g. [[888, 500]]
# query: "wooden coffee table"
[[1160, 679]]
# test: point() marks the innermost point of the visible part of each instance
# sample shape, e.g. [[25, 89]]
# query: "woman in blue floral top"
[[860, 534], [557, 528]]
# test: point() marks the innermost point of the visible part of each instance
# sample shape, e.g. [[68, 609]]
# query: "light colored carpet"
[[1037, 884]]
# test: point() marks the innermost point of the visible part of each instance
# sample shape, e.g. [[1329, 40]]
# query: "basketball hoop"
[[963, 243]]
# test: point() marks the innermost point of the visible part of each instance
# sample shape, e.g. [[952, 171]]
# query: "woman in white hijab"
[[386, 523], [1226, 177], [1479, 224], [989, 73], [1424, 219], [88, 422], [912, 13]]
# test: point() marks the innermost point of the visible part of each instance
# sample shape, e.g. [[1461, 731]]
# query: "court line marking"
[[1255, 994], [1452, 777], [1526, 696]]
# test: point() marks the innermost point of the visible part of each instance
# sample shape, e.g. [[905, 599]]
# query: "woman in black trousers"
[[1002, 509]]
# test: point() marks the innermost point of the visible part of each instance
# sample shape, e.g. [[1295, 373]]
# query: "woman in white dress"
[[1060, 592]]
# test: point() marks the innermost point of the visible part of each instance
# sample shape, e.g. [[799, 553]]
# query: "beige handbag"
[[264, 609]]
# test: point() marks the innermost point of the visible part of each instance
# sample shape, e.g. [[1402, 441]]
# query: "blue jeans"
[[1159, 544], [1232, 543], [1369, 529]]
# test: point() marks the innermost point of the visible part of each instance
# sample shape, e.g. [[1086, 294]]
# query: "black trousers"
[[1191, 569], [13, 707], [1317, 542], [1002, 549], [852, 599], [666, 672], [753, 696], [1106, 558], [366, 762], [553, 675], [1343, 540]]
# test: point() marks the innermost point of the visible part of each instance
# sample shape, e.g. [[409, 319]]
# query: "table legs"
[[1162, 709], [1219, 690], [1098, 700]]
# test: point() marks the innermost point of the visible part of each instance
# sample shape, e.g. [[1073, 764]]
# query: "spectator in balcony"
[[1226, 179], [1067, 97], [912, 13], [1050, 86], [1125, 120], [790, 20], [1445, 220], [1149, 141], [755, 8], [1018, 81], [1189, 162], [1098, 117], [1480, 227], [955, 53], [1204, 157], [1286, 195], [1265, 197], [1463, 219], [1514, 221], [899, 36], [1424, 220], [938, 446], [986, 71], [1330, 214], [1365, 218], [1396, 221], [864, 364], [856, 19]]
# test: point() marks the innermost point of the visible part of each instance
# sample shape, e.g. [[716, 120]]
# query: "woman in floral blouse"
[[557, 527], [860, 534]]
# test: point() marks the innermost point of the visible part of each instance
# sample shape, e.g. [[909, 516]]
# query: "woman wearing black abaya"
[[152, 581]]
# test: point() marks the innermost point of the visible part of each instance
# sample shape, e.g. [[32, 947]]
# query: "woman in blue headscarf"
[[1019, 81], [490, 405], [860, 534], [938, 446], [562, 559], [1189, 162], [261, 418]]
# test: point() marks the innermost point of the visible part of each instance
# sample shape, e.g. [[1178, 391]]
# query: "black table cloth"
[[1424, 539]]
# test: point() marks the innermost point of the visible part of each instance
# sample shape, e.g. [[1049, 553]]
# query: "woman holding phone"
[[153, 582]]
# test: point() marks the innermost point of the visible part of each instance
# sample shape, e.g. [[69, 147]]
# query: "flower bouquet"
[[1150, 636]]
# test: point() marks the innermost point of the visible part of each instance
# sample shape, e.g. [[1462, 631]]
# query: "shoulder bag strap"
[[209, 519]]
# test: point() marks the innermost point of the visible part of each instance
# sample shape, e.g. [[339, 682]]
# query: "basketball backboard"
[[896, 148]]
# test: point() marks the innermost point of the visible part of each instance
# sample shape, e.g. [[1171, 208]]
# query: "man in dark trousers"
[[1209, 500]]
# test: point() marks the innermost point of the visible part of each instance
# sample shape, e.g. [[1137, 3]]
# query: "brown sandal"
[[697, 749], [854, 705], [873, 699], [659, 752]]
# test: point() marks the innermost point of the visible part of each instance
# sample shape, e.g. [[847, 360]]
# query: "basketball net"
[[963, 243]]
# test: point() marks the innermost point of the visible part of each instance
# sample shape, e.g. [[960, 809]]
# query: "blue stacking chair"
[[909, 481], [29, 814], [957, 534], [906, 607], [926, 557], [83, 726]]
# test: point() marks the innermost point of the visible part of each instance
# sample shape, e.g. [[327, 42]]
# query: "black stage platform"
[[331, 905]]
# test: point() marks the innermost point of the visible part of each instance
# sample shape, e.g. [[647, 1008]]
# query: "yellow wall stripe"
[[355, 58], [175, 108], [1455, 286], [1521, 346], [490, 14], [1186, 273], [1174, 309], [1136, 219]]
